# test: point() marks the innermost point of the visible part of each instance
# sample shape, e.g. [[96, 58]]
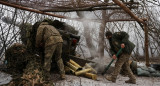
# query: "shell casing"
[[88, 66], [72, 66], [74, 63], [67, 70], [81, 72], [91, 76], [71, 70]]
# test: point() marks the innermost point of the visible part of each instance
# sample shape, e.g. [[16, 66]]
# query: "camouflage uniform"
[[123, 59], [48, 37]]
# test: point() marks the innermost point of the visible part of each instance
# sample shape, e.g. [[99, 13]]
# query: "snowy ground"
[[4, 78], [81, 81], [72, 80]]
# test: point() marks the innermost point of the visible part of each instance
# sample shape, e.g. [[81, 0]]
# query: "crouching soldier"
[[50, 39], [121, 40]]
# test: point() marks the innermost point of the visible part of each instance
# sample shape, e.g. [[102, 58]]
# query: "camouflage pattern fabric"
[[117, 39], [49, 51], [123, 61], [49, 38], [47, 35]]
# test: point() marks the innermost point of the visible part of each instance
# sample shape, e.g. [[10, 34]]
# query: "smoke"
[[100, 64]]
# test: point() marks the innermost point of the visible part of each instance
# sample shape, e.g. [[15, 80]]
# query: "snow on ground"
[[81, 81], [72, 80], [4, 78]]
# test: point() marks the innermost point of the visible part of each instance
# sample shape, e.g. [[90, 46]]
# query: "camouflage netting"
[[17, 58], [26, 68], [33, 75]]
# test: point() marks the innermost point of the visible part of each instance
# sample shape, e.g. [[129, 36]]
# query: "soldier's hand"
[[114, 57], [122, 45]]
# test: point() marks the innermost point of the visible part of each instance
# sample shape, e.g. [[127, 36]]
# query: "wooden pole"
[[146, 45], [127, 10]]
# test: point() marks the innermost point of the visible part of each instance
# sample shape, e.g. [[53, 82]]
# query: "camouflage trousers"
[[49, 51], [123, 60]]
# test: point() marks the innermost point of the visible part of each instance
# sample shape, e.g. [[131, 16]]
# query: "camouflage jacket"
[[117, 39], [47, 35]]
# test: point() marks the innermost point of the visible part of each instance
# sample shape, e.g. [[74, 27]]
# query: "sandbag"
[[144, 71], [141, 72], [151, 70], [156, 74], [156, 66]]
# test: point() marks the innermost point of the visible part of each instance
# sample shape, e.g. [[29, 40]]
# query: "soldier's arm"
[[39, 37]]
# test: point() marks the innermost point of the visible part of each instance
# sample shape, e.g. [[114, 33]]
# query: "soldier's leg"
[[123, 70], [117, 68], [48, 57], [129, 71], [59, 60]]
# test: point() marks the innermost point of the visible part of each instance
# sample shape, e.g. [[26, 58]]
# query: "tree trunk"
[[101, 35]]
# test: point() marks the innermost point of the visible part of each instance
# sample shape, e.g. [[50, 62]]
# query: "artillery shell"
[[69, 70]]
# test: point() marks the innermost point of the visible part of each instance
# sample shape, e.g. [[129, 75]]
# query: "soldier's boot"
[[132, 78], [110, 78], [62, 76], [132, 81]]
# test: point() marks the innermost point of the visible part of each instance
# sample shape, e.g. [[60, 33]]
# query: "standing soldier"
[[50, 39], [120, 40]]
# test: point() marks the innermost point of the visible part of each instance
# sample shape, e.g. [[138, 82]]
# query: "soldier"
[[50, 39], [120, 40]]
